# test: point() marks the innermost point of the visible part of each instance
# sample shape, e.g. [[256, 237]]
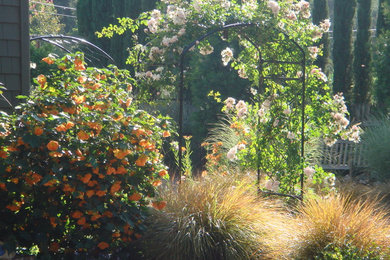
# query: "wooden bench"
[[343, 155]]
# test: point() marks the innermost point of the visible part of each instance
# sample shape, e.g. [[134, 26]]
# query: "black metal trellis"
[[68, 44], [301, 63]]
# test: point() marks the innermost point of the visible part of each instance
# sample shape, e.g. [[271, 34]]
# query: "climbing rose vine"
[[268, 129]]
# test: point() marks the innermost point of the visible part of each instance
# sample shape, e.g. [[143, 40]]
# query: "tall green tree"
[[381, 59], [344, 11], [380, 22], [320, 13], [93, 15], [362, 57]]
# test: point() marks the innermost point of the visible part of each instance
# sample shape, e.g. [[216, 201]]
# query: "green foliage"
[[79, 162], [344, 11], [362, 56], [280, 27], [349, 252], [94, 15], [320, 13], [381, 64], [376, 141], [43, 20]]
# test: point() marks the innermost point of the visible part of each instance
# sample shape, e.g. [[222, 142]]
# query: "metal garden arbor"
[[296, 61]]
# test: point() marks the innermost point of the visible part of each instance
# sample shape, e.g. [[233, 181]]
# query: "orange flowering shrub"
[[78, 162]]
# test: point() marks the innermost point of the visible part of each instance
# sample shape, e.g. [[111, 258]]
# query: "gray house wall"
[[14, 50]]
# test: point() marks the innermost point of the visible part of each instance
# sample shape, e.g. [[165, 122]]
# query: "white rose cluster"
[[227, 56]]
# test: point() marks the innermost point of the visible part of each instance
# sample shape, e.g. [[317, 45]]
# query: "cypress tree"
[[344, 11], [93, 15], [320, 13], [362, 53], [380, 22]]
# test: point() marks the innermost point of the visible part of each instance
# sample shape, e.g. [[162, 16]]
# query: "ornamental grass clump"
[[337, 226], [79, 162], [214, 219]]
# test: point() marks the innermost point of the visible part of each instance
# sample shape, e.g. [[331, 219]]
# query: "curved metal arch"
[[50, 38], [261, 80]]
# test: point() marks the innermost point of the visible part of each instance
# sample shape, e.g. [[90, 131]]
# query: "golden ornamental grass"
[[341, 221], [214, 219]]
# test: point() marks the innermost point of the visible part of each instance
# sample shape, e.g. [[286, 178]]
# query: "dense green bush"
[[376, 141], [79, 162]]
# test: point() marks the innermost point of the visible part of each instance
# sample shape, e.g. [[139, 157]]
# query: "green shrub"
[[213, 219], [79, 162], [376, 141]]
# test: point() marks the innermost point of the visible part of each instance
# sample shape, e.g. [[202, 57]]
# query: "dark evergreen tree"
[[344, 11], [320, 13], [362, 57], [380, 22], [381, 58], [93, 15]]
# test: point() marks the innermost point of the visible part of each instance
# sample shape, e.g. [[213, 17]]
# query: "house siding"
[[14, 50]]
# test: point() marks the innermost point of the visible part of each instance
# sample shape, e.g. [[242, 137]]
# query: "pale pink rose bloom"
[[274, 6], [272, 185], [241, 104], [325, 25], [242, 112], [287, 111], [309, 171], [231, 155], [290, 135]]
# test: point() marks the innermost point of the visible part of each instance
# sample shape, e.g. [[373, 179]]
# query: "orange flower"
[[41, 80], [3, 154], [159, 205], [115, 187], [54, 247], [55, 154], [120, 154], [61, 128], [69, 188], [103, 245], [139, 132], [77, 214], [87, 177], [121, 170], [53, 145], [141, 161], [100, 193], [15, 180], [70, 110], [79, 99], [3, 186], [108, 214], [69, 125], [78, 64], [81, 221], [83, 135], [157, 183], [95, 217], [13, 207], [162, 173], [48, 60], [53, 221], [38, 131], [135, 197], [166, 134], [90, 193], [111, 170], [82, 79]]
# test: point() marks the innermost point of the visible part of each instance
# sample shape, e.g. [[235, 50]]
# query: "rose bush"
[[275, 54], [79, 162]]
